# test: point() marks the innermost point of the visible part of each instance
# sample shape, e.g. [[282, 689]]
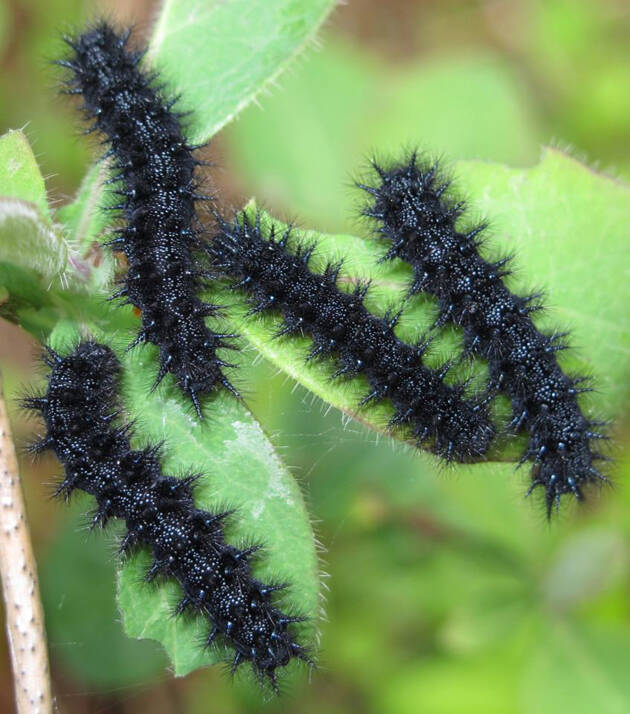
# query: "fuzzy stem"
[[23, 607]]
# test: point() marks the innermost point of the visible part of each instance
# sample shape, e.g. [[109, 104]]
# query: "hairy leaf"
[[240, 470], [566, 225], [28, 237], [221, 55]]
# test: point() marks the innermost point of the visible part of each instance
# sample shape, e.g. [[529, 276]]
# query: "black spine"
[[79, 410], [339, 323], [415, 214], [155, 167]]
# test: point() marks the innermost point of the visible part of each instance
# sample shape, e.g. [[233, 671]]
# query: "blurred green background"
[[447, 596]]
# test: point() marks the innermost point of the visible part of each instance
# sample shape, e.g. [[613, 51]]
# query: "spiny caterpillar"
[[277, 278], [414, 213], [155, 167], [80, 411]]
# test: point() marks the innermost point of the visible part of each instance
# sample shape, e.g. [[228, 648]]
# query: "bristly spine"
[[155, 168], [277, 276], [80, 410], [416, 215]]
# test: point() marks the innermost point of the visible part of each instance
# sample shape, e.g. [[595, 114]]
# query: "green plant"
[[551, 215]]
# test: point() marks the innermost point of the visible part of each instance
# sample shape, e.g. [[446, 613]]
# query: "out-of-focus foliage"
[[29, 40], [79, 623], [302, 148], [448, 595], [549, 72]]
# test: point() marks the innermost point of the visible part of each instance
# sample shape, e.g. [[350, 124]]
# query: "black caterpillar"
[[80, 410], [416, 216], [161, 232], [275, 278]]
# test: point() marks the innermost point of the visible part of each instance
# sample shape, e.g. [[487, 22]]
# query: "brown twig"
[[23, 607]]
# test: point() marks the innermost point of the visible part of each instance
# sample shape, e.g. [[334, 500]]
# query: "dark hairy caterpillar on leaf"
[[80, 411], [276, 278], [414, 213], [161, 233]]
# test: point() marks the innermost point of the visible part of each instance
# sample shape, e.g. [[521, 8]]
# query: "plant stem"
[[23, 607]]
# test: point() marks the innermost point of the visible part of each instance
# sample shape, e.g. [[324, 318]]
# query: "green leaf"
[[389, 284], [82, 217], [21, 177], [568, 228], [241, 469], [22, 288], [30, 241], [86, 221], [28, 237], [221, 55]]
